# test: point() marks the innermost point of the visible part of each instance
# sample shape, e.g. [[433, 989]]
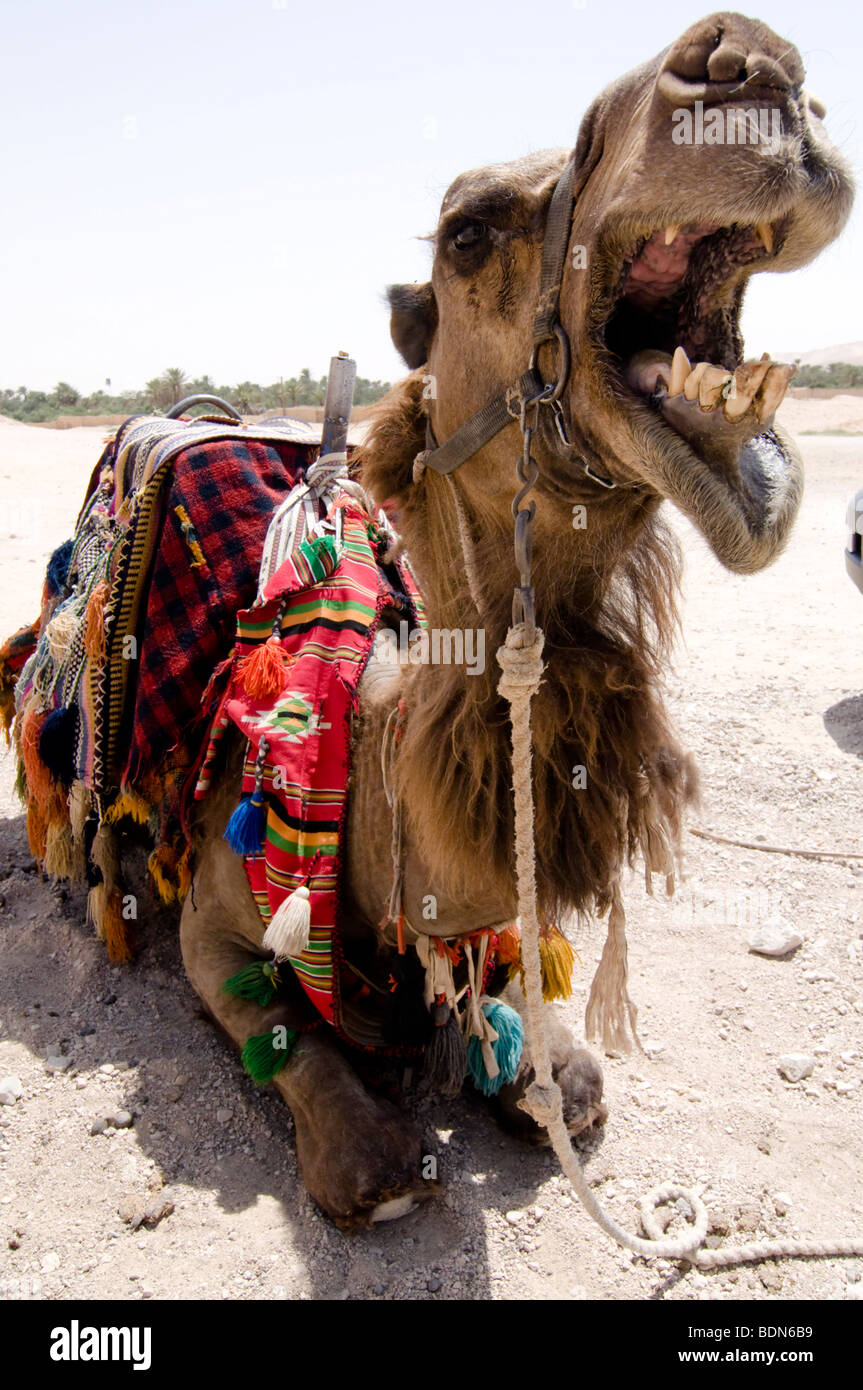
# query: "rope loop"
[[521, 663]]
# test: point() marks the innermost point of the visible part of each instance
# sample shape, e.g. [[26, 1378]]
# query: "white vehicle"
[[854, 538]]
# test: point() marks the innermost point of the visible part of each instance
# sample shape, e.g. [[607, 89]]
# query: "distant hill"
[[822, 357]]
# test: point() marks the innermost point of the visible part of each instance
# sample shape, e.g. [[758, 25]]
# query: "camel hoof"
[[579, 1077], [394, 1208]]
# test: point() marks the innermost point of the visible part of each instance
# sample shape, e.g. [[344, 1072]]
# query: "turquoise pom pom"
[[507, 1050]]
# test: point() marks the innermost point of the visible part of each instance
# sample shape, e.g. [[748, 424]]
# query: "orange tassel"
[[114, 929], [508, 949], [265, 670], [7, 712], [94, 622], [37, 831], [39, 781]]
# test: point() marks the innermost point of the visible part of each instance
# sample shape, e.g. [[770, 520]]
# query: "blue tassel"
[[57, 743], [507, 1050], [245, 830], [58, 568]]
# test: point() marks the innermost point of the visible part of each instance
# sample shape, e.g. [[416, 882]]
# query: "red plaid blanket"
[[221, 498]]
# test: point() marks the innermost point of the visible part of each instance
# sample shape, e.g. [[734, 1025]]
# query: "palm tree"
[[175, 380]]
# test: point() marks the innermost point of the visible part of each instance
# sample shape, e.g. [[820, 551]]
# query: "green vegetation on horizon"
[[41, 407], [839, 376]]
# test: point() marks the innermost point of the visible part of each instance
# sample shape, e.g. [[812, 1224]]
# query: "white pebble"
[[11, 1090], [775, 937], [796, 1066]]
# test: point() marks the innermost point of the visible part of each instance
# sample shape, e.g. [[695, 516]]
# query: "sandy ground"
[[766, 692]]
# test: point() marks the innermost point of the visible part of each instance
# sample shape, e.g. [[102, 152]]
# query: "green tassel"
[[261, 1057], [319, 553], [21, 782], [258, 982]]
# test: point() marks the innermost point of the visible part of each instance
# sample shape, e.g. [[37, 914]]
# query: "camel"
[[657, 403]]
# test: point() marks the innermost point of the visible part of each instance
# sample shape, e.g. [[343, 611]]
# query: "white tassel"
[[289, 931]]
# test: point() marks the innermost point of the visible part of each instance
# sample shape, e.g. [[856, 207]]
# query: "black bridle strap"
[[470, 437], [557, 228], [482, 427]]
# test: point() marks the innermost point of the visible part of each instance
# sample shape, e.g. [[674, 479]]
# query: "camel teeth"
[[680, 369], [765, 236], [772, 391], [747, 380], [671, 234], [736, 403], [713, 386], [690, 386]]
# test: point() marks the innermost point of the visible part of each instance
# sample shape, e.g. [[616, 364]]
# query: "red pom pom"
[[264, 671]]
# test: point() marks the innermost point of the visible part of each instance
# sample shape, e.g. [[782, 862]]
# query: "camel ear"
[[589, 145], [413, 320]]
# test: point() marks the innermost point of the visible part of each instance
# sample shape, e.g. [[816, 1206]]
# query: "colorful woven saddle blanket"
[[137, 610], [293, 688]]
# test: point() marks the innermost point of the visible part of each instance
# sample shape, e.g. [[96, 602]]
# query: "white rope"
[[464, 531], [522, 672], [467, 546]]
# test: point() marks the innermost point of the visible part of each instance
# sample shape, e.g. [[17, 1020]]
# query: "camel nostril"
[[727, 56], [766, 72], [726, 62]]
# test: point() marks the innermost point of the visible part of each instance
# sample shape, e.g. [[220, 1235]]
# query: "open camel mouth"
[[673, 333]]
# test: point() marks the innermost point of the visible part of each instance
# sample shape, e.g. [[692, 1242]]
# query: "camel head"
[[691, 174]]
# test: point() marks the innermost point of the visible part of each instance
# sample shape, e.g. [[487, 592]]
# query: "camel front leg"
[[576, 1071], [359, 1156]]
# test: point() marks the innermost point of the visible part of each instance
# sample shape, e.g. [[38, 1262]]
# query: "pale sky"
[[228, 185]]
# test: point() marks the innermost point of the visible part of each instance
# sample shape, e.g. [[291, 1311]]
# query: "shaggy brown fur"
[[608, 614]]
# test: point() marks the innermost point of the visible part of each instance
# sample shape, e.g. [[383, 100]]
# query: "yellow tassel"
[[96, 909], [184, 873], [557, 959], [130, 804], [94, 622], [162, 862], [80, 803], [59, 860]]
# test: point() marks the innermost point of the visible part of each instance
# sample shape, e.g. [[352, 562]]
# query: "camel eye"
[[468, 236]]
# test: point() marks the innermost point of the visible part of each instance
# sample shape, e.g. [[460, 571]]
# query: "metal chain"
[[527, 469]]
